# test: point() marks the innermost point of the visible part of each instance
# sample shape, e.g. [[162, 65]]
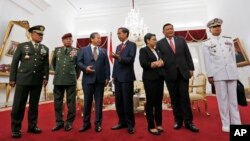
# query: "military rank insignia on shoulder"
[[227, 37]]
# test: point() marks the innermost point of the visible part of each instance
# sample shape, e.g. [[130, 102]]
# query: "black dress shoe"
[[154, 133], [118, 126], [98, 128], [177, 125], [192, 127], [35, 130], [57, 127], [16, 134], [131, 130], [84, 128], [68, 127]]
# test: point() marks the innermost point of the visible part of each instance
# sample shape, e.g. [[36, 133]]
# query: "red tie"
[[122, 46], [172, 44]]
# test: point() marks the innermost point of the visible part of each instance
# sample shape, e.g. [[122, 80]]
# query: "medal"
[[43, 51], [73, 53], [58, 54], [26, 50]]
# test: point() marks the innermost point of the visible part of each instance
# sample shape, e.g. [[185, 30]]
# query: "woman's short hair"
[[148, 37]]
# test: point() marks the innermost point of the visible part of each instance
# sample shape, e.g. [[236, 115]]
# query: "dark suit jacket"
[[31, 71], [146, 57], [181, 60], [101, 65], [65, 66], [123, 70]]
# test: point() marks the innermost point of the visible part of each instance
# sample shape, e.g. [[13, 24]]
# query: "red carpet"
[[210, 127]]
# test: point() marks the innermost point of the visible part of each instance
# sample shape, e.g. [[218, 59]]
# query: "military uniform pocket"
[[22, 70]]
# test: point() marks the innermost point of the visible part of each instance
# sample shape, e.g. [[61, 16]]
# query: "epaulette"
[[227, 37]]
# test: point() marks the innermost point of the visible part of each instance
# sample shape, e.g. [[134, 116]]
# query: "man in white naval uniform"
[[220, 64]]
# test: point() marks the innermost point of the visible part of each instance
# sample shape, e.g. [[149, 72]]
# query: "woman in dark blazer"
[[153, 80]]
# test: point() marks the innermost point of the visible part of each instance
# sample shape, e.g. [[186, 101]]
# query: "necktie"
[[95, 53], [65, 50], [172, 44], [122, 46], [36, 46]]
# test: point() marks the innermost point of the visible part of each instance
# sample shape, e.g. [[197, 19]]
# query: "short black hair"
[[92, 36], [148, 37], [167, 24], [124, 30]]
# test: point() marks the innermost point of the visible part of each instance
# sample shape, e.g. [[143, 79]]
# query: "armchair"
[[198, 92]]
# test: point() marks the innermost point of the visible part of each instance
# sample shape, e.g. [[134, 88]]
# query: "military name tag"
[[228, 43]]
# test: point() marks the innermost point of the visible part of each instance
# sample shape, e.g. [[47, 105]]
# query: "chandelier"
[[136, 26]]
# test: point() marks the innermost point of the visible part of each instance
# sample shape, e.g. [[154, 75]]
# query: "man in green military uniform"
[[29, 72], [66, 74]]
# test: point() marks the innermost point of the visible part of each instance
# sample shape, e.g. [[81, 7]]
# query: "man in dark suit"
[[179, 68], [123, 77], [64, 62], [29, 71], [94, 63]]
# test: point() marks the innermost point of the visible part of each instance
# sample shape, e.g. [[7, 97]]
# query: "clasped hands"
[[157, 64], [116, 55]]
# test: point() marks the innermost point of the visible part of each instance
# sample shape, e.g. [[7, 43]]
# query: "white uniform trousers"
[[227, 101]]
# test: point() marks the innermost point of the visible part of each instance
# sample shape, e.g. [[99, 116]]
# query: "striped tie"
[[95, 53]]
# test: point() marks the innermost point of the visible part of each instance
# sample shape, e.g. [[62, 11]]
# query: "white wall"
[[57, 17], [154, 18], [231, 11], [235, 24]]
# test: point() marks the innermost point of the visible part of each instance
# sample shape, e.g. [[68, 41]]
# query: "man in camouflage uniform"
[[66, 74]]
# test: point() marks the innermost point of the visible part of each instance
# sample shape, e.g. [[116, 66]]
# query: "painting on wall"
[[12, 48], [16, 32], [240, 54]]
